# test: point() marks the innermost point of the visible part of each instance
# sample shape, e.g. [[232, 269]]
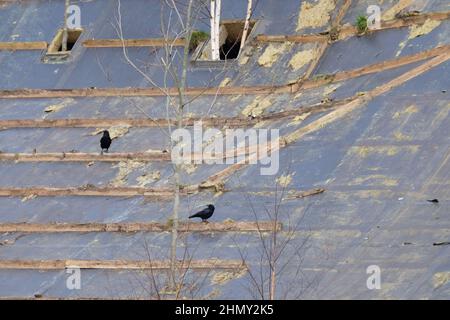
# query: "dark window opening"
[[56, 45], [231, 36], [229, 50]]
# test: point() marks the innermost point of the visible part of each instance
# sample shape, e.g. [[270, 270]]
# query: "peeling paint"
[[272, 53], [315, 15], [257, 107], [235, 98], [301, 58], [420, 30], [148, 178], [299, 119], [392, 11], [331, 88], [441, 278], [125, 168], [417, 31], [189, 168], [364, 151], [401, 137], [114, 132], [407, 111], [29, 197], [225, 82], [57, 107], [284, 180], [376, 179], [220, 278]]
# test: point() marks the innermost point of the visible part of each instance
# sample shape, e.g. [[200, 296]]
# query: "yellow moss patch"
[[298, 95], [330, 89], [364, 194], [58, 106], [271, 54], [441, 278], [364, 151], [301, 58], [409, 110], [235, 98], [376, 179], [417, 31], [245, 55], [284, 181], [299, 119], [313, 16], [54, 108], [257, 107], [243, 59], [29, 197], [401, 137], [125, 168], [145, 179], [114, 132], [189, 168], [220, 278], [427, 27], [392, 11], [225, 82]]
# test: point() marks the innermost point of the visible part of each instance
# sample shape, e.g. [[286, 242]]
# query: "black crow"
[[205, 214], [105, 141], [433, 201]]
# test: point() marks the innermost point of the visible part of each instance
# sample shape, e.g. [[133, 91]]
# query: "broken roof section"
[[377, 163]]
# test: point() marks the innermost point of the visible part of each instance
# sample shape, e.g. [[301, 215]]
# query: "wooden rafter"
[[118, 43], [225, 226], [242, 90], [207, 264]]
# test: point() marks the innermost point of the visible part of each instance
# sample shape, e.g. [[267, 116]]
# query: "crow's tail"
[[193, 216]]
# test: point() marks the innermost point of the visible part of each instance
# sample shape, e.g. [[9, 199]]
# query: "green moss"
[[197, 37], [324, 77], [361, 24], [169, 223]]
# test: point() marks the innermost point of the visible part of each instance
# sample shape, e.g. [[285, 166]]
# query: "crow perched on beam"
[[105, 141], [205, 214]]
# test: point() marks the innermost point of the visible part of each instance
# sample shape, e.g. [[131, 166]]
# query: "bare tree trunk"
[[177, 167], [215, 23], [273, 256], [65, 31], [176, 278], [217, 27], [273, 261], [272, 285], [246, 25]]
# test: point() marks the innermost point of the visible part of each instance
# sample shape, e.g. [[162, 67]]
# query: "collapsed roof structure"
[[364, 121]]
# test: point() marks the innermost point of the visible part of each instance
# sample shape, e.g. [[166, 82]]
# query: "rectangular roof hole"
[[72, 37], [230, 38]]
